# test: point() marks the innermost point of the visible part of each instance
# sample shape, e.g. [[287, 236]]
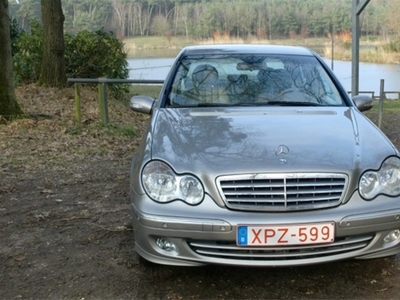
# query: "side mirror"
[[363, 102], [142, 104]]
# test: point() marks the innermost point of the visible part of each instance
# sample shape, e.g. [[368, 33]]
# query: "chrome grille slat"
[[225, 250], [232, 246], [316, 197], [317, 184], [254, 185], [298, 192], [310, 191], [253, 193], [280, 192], [263, 201], [257, 254]]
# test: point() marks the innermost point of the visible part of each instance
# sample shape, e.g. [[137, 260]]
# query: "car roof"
[[246, 48]]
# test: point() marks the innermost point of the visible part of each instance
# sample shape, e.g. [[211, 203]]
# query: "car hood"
[[273, 139]]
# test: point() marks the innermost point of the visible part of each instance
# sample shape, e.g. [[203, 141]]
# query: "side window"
[[180, 85], [180, 79]]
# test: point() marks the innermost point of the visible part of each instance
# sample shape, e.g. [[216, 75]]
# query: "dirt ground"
[[65, 228]]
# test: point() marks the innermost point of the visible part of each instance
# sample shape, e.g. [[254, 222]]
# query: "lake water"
[[370, 74]]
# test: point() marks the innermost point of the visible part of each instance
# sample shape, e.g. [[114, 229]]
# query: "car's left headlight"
[[163, 185], [386, 180]]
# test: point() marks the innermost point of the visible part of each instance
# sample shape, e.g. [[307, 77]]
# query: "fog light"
[[165, 244], [392, 236]]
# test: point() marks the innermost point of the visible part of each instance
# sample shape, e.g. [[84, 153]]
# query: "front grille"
[[229, 250], [282, 192]]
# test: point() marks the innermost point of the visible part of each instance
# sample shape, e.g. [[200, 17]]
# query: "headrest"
[[204, 74]]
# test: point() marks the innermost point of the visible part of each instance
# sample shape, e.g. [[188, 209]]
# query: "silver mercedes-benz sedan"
[[256, 156]]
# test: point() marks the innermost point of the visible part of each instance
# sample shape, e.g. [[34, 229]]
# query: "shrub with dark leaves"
[[87, 55]]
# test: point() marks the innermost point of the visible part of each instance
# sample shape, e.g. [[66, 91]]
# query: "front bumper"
[[206, 234]]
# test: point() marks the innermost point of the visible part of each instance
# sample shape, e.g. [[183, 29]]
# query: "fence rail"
[[385, 94], [102, 92]]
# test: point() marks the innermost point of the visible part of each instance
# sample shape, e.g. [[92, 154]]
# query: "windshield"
[[252, 80]]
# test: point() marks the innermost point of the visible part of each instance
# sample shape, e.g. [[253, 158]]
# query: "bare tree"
[[120, 16], [53, 61], [9, 107]]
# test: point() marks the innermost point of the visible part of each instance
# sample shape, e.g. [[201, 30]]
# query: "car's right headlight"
[[163, 185], [386, 180]]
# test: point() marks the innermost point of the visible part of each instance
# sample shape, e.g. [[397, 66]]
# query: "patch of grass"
[[388, 105], [119, 130], [390, 117], [148, 90], [372, 54], [74, 130], [160, 46], [98, 129], [392, 105], [103, 150]]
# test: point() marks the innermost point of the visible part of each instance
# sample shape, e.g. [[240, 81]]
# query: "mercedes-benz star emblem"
[[282, 150]]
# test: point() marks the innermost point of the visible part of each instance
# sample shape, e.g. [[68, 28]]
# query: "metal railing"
[[385, 94], [102, 92], [382, 93]]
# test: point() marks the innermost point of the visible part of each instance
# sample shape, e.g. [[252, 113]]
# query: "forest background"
[[192, 21]]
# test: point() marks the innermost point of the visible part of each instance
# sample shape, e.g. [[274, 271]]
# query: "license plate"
[[280, 235]]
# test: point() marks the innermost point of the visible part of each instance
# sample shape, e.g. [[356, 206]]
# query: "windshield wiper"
[[250, 104], [293, 103], [246, 104], [210, 105]]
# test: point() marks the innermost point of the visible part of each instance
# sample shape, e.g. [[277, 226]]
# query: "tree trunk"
[[53, 61], [9, 107]]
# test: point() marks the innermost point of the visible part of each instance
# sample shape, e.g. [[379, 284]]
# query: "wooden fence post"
[[102, 93], [103, 109], [382, 93], [77, 104]]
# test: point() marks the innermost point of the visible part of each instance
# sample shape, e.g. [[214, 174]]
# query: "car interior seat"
[[237, 89], [273, 82], [206, 84]]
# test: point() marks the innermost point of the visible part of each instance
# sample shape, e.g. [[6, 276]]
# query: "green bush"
[[87, 55], [15, 33], [28, 54], [96, 54]]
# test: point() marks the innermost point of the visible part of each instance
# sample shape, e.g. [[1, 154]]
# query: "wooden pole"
[[77, 103], [382, 92], [357, 7], [104, 103]]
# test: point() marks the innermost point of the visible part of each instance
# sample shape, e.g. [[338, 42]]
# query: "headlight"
[[162, 184], [384, 181]]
